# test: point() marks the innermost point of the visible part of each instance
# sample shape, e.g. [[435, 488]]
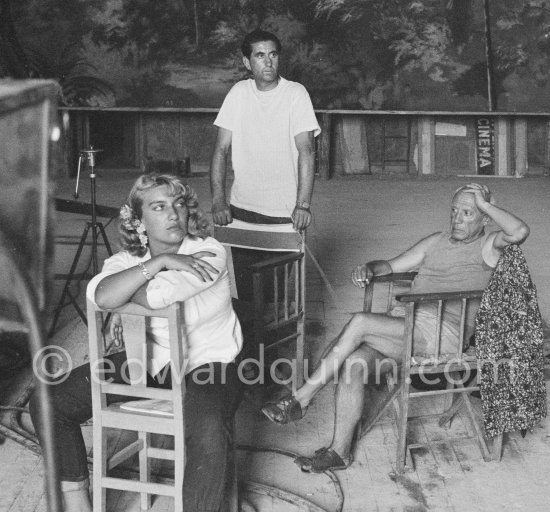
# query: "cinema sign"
[[485, 145]]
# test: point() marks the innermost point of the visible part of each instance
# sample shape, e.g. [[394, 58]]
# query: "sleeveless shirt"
[[450, 266]]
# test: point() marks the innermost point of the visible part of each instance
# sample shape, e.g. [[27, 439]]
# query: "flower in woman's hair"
[[126, 213], [142, 233], [129, 218], [130, 221]]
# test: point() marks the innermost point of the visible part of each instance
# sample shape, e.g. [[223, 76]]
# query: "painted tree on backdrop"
[[435, 52], [364, 54], [44, 39], [13, 61]]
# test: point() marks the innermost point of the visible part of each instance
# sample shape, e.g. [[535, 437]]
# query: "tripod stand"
[[96, 229]]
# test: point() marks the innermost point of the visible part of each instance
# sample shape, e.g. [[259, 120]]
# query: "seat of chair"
[[116, 416], [150, 406], [431, 365]]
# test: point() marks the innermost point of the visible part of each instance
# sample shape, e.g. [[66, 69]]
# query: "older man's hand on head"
[[482, 195]]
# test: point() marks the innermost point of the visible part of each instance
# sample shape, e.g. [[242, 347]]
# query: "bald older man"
[[461, 258]]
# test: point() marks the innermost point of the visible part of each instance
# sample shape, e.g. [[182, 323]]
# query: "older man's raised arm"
[[513, 230]]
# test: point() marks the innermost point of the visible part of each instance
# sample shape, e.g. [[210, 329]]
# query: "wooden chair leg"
[[379, 408], [450, 397], [299, 378], [179, 467], [496, 449], [401, 453], [450, 413], [144, 468], [100, 469], [475, 425], [394, 388]]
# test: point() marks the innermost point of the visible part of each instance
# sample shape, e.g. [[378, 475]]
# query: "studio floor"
[[356, 219]]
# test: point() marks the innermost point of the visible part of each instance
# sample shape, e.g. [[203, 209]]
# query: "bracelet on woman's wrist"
[[144, 271]]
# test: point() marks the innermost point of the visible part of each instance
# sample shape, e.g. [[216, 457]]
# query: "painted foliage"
[[350, 54]]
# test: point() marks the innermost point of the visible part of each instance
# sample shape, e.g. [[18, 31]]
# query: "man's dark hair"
[[255, 37]]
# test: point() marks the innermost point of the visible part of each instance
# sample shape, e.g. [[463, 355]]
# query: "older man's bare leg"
[[350, 393], [380, 332], [356, 372]]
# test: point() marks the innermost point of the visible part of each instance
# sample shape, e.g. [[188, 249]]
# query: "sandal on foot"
[[284, 411], [324, 459]]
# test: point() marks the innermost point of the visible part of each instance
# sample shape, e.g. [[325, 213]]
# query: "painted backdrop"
[[350, 54]]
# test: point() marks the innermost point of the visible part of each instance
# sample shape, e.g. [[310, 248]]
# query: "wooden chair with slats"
[[115, 416], [277, 317], [385, 292], [154, 411]]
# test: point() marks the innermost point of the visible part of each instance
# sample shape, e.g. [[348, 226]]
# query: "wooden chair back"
[[278, 318], [108, 415]]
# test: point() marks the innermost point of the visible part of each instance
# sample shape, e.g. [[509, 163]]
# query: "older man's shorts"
[[424, 334]]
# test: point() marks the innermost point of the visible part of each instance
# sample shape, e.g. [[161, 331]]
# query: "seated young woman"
[[166, 256]]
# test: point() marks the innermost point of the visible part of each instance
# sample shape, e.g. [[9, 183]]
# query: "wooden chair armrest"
[[389, 280], [277, 261], [397, 276], [432, 297]]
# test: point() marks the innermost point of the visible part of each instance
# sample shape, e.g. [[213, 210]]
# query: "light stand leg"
[[69, 280], [96, 228], [104, 236], [95, 266]]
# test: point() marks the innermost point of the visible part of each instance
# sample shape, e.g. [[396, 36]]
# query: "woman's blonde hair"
[[197, 223]]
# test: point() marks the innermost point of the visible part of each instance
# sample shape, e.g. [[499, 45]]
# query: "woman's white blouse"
[[213, 333]]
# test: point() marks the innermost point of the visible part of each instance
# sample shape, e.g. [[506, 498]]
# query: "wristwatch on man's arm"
[[303, 205]]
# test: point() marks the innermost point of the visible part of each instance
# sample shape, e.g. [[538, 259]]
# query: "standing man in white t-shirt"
[[270, 126]]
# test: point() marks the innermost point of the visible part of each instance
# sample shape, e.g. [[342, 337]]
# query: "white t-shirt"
[[213, 332], [264, 153]]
